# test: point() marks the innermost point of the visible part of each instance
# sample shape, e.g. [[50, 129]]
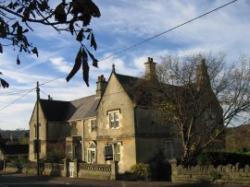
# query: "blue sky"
[[123, 22]]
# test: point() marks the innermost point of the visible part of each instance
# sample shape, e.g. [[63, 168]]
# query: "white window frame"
[[113, 118], [91, 149]]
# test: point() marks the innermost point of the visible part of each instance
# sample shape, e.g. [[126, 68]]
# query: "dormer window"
[[113, 119]]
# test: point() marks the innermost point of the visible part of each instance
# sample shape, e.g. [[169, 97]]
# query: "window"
[[93, 125], [108, 152], [113, 119], [91, 153], [113, 152]]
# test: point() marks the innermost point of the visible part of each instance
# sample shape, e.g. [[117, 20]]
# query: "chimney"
[[150, 73], [50, 98], [100, 86], [202, 77]]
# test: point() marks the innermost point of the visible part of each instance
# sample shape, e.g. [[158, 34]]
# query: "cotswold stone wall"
[[221, 174], [96, 171], [81, 170]]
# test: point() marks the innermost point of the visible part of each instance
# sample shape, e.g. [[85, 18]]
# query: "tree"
[[198, 83], [72, 16]]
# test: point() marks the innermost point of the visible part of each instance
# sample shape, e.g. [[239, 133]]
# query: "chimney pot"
[[100, 86], [150, 73]]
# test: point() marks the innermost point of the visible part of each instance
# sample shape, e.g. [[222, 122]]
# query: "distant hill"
[[238, 138], [15, 136]]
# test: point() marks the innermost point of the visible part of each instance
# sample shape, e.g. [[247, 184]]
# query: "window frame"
[[114, 119]]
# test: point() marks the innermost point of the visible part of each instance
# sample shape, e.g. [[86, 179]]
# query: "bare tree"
[[206, 96], [17, 18]]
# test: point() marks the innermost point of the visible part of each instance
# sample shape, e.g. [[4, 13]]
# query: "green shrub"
[[215, 175], [141, 171], [223, 158]]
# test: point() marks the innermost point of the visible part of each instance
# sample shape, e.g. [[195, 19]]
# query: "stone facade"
[[108, 127]]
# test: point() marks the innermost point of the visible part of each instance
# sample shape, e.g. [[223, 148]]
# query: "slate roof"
[[135, 87], [55, 110], [15, 149]]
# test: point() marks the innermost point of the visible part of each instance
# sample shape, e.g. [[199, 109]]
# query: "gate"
[[71, 169]]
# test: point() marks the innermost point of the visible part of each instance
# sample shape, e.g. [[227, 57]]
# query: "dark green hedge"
[[223, 158]]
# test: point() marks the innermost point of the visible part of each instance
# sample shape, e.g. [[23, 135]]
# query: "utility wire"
[[117, 52], [14, 101]]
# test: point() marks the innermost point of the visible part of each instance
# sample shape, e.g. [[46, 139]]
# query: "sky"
[[123, 23]]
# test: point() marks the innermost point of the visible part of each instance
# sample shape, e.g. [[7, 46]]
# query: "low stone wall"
[[221, 174], [96, 171], [81, 170], [53, 169], [11, 168]]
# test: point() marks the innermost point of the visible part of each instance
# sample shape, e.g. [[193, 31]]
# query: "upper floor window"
[[114, 120], [93, 125]]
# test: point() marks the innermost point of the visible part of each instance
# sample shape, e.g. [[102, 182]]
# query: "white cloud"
[[60, 64]]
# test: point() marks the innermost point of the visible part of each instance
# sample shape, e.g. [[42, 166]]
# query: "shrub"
[[223, 158], [215, 175], [141, 171]]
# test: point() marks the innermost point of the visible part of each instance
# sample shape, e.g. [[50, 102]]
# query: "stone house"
[[115, 124]]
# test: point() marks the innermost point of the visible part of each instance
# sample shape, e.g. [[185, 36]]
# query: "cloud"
[[60, 64]]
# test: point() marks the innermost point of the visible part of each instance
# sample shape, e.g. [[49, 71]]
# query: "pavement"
[[19, 180]]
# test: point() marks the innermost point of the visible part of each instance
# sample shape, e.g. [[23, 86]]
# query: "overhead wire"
[[120, 51]]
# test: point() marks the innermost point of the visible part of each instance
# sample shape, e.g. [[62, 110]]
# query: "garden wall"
[[221, 174]]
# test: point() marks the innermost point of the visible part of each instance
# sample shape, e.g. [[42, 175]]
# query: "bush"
[[215, 175], [141, 171], [223, 158]]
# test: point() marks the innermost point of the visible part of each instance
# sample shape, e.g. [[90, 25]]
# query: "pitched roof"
[[84, 107], [15, 149], [145, 92], [55, 110]]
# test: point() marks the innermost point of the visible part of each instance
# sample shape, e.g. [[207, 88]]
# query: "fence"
[[221, 174]]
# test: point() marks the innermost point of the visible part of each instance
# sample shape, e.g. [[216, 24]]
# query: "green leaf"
[[93, 42], [80, 36], [3, 83], [18, 62], [85, 71], [94, 60], [60, 14], [34, 51], [76, 66], [1, 48]]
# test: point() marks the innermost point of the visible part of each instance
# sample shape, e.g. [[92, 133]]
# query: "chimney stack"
[[202, 77], [100, 86], [150, 73]]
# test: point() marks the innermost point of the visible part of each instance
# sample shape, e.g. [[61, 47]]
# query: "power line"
[[117, 52], [14, 101]]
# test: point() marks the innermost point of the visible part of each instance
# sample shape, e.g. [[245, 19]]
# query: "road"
[[24, 181]]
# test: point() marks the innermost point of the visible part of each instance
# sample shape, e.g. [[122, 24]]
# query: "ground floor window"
[[91, 153], [113, 152]]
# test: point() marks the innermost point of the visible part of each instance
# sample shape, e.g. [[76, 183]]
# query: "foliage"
[[141, 171], [72, 16], [206, 96], [223, 158], [215, 175], [19, 162]]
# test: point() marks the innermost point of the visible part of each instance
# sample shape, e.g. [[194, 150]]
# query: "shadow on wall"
[[160, 168]]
